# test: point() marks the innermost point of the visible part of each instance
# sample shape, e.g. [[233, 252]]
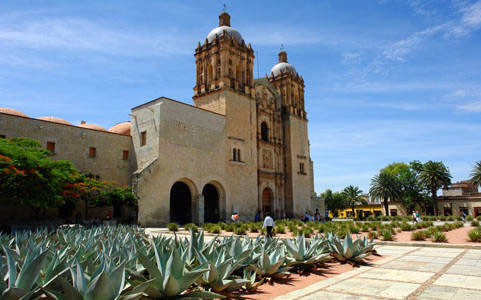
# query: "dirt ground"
[[296, 281]]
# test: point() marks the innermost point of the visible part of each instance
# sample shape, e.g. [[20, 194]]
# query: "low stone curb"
[[432, 245]]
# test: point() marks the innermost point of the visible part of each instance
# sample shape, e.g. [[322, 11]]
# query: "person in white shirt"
[[268, 224]]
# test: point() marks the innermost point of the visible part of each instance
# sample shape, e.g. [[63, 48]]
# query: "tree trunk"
[[435, 201], [386, 207], [353, 213]]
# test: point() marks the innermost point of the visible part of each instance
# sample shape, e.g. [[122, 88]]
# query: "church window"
[[230, 62], [234, 154], [143, 138], [301, 168], [239, 155], [92, 152], [125, 154], [51, 147], [264, 132]]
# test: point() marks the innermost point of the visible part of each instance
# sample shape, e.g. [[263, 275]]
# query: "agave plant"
[[23, 284], [270, 265], [251, 284], [305, 255], [219, 274], [349, 250], [169, 278]]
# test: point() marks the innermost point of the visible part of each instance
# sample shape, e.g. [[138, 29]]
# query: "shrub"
[[372, 234], [450, 218], [240, 230], [474, 223], [469, 218], [280, 229], [478, 218], [354, 229], [222, 225], [439, 237], [475, 235], [365, 227], [173, 226], [459, 224], [407, 227], [292, 227], [308, 232], [418, 236], [321, 228], [229, 227], [191, 226], [253, 227], [215, 229], [387, 235]]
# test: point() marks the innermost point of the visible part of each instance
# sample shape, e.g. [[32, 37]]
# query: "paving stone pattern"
[[405, 273]]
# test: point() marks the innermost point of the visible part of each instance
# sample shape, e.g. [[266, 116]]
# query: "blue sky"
[[385, 80]]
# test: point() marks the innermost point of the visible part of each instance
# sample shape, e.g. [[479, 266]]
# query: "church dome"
[[224, 25], [121, 128], [282, 68], [219, 31], [55, 120], [12, 111], [92, 126]]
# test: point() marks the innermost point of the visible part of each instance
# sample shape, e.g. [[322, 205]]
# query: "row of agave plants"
[[121, 262]]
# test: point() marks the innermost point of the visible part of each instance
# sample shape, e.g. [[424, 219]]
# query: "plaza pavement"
[[406, 273]]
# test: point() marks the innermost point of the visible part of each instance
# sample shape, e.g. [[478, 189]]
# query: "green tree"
[[28, 176], [412, 191], [334, 201], [352, 195], [385, 186], [434, 175], [476, 174]]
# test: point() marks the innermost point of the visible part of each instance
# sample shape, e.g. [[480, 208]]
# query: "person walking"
[[414, 217], [268, 224]]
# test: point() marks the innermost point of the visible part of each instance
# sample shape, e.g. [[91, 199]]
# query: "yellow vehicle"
[[360, 211]]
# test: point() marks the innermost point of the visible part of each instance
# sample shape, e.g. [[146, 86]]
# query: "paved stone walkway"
[[408, 273]]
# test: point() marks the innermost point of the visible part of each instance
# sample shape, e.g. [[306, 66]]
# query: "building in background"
[[242, 147]]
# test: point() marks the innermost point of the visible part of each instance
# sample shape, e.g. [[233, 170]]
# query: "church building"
[[241, 147]]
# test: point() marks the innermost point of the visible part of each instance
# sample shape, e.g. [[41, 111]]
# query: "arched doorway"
[[180, 203], [211, 204], [266, 200]]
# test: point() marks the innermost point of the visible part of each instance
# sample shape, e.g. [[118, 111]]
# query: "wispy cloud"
[[81, 34], [473, 107]]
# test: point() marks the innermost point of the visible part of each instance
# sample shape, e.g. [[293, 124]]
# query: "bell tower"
[[223, 62], [290, 85]]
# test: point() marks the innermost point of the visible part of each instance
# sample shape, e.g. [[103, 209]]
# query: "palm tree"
[[385, 186], [476, 174], [434, 175], [353, 196]]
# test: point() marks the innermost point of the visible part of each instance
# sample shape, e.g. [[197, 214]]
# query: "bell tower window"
[[264, 132]]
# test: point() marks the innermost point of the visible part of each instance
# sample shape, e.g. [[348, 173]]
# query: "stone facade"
[[243, 147], [73, 143]]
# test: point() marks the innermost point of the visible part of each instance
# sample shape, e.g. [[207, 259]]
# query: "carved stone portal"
[[267, 159]]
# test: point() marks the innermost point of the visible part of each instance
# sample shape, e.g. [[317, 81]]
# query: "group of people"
[[315, 217]]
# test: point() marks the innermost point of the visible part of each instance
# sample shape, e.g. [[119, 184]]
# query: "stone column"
[[200, 209]]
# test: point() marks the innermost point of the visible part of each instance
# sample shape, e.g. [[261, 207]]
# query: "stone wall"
[[72, 143], [187, 145]]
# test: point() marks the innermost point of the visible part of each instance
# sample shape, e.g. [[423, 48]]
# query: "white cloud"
[[80, 34], [473, 107], [470, 21]]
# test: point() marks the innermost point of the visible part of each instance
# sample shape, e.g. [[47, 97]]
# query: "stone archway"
[[211, 204], [180, 203], [266, 200]]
